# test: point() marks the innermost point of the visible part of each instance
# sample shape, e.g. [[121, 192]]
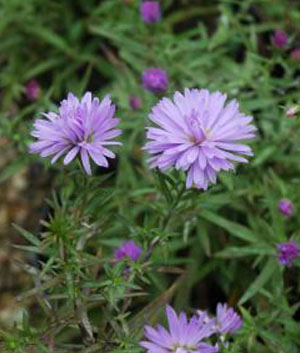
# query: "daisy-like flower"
[[227, 320], [128, 249], [183, 336], [200, 134], [287, 252], [82, 128]]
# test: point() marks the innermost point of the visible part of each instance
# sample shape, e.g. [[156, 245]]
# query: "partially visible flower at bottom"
[[287, 252], [128, 249], [183, 336]]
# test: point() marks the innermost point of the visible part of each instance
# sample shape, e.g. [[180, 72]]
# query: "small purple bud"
[[286, 207], [150, 11], [32, 90], [155, 80], [128, 249], [291, 112], [135, 102], [287, 252], [295, 54], [280, 38]]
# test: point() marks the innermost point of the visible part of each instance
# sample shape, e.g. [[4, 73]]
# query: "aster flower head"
[[280, 38], [287, 252], [227, 320], [183, 336], [32, 90], [135, 102], [286, 207], [198, 133], [82, 127], [128, 249], [150, 11], [155, 80]]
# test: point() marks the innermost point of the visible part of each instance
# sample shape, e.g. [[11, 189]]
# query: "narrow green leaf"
[[235, 229], [27, 235], [260, 281]]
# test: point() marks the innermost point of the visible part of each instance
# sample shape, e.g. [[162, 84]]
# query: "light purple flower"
[[128, 249], [135, 102], [155, 80], [83, 127], [183, 336], [198, 133], [203, 317], [227, 321], [286, 207], [287, 252], [280, 38], [32, 90], [150, 11]]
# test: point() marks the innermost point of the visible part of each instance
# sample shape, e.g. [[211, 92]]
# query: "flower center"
[[198, 134], [182, 349]]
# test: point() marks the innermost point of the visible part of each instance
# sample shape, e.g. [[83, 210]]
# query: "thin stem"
[[166, 222]]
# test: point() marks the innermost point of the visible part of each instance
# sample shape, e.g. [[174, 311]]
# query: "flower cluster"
[[188, 336], [197, 133]]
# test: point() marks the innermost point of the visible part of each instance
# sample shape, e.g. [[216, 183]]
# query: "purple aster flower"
[[32, 90], [287, 252], [150, 11], [295, 54], [128, 249], [280, 38], [155, 80], [135, 102], [198, 133], [286, 207], [183, 336], [227, 320], [83, 127]]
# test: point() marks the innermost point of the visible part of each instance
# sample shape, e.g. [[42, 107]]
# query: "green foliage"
[[198, 247]]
